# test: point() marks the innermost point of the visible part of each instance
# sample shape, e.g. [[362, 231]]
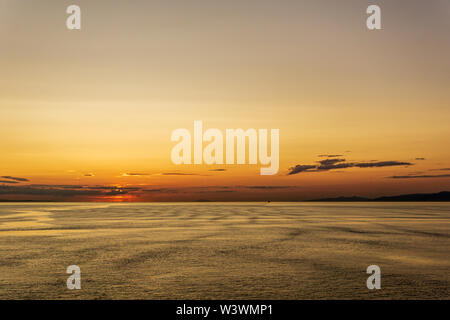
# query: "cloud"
[[7, 181], [382, 164], [214, 187], [327, 167], [63, 186], [301, 168], [66, 190], [218, 170], [157, 190], [268, 187], [131, 189], [327, 162], [440, 169], [214, 191], [14, 178], [102, 187], [330, 155], [180, 174], [134, 174], [115, 192], [154, 190], [30, 190], [177, 174], [113, 188], [89, 175], [332, 164], [420, 159], [421, 176]]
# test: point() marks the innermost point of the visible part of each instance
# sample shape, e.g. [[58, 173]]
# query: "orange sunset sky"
[[87, 115]]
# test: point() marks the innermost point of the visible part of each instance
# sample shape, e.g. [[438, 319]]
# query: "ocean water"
[[224, 250]]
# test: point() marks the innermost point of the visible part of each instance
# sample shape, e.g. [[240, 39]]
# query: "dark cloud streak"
[[329, 155], [301, 168], [269, 187], [332, 164], [15, 178]]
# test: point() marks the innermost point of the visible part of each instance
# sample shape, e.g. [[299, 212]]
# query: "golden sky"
[[81, 109]]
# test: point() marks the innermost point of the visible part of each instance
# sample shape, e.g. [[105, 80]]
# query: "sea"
[[232, 250]]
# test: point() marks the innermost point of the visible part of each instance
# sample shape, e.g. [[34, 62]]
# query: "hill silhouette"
[[424, 197]]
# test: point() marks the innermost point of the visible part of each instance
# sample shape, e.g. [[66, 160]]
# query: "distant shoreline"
[[443, 196]]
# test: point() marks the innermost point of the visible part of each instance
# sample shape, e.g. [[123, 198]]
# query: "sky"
[[87, 115]]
